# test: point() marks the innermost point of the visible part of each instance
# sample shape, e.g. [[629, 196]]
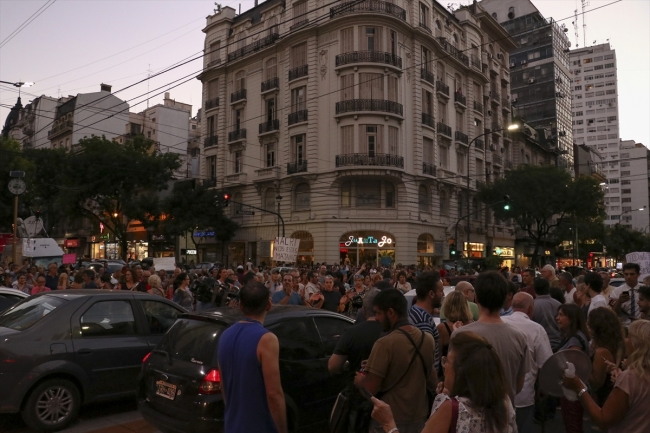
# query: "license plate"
[[166, 390]]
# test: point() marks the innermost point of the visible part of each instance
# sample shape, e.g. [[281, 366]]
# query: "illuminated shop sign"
[[369, 240], [504, 251], [203, 234]]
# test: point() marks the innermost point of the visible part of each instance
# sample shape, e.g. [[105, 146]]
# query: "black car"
[[179, 388], [63, 348]]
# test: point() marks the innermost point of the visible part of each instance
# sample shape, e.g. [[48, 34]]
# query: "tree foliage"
[[621, 240], [11, 159], [542, 198]]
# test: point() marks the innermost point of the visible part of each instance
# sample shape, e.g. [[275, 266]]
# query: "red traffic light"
[[226, 196]]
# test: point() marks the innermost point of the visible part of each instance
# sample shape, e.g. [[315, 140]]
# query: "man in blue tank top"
[[248, 357]]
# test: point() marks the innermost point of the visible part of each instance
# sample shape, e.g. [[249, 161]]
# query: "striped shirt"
[[422, 320]]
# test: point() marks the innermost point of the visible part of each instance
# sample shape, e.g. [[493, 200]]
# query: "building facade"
[[539, 67], [356, 123], [30, 124], [635, 174]]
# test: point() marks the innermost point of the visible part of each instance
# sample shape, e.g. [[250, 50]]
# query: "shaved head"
[[523, 302], [464, 286]]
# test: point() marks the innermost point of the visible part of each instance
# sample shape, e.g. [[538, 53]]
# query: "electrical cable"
[[27, 22]]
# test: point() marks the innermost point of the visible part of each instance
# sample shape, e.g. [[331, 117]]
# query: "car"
[[206, 265], [616, 282], [10, 297], [65, 348], [179, 388], [283, 269]]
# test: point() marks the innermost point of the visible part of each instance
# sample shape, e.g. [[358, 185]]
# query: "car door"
[[159, 316], [109, 345]]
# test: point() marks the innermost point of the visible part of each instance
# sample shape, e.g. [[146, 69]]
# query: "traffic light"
[[506, 204], [452, 251], [223, 199], [226, 199]]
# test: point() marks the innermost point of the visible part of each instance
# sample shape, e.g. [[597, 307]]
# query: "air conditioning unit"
[[513, 64], [489, 112], [493, 147], [531, 80], [524, 62], [499, 56], [489, 56]]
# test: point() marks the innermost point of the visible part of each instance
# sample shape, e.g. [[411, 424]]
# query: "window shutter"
[[347, 87], [377, 85], [393, 146], [365, 85], [392, 89], [347, 139], [363, 141], [363, 41], [347, 40], [298, 55], [271, 68], [379, 147]]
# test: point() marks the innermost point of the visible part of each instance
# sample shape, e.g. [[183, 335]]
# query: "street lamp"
[[511, 127], [620, 217], [19, 85]]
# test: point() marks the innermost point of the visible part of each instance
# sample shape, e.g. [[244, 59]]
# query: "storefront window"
[[306, 248], [373, 248], [476, 249]]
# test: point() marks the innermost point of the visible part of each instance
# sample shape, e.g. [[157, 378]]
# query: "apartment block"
[[635, 172], [30, 124]]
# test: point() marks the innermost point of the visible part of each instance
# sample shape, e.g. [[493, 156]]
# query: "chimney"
[[255, 3], [105, 87], [166, 95]]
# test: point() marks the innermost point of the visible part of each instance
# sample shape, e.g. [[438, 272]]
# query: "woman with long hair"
[[182, 294], [64, 282], [607, 346], [626, 408], [128, 280], [455, 309], [475, 388]]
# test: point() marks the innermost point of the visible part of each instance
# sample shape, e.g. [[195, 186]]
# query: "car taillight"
[[211, 383], [146, 357]]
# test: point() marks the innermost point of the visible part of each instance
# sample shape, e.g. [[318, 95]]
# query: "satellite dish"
[[32, 226], [553, 370]]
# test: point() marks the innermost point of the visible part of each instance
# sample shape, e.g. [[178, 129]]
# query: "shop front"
[[505, 253], [305, 249], [475, 250], [370, 247], [429, 251]]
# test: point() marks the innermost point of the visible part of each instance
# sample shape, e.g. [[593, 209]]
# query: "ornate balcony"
[[369, 57], [60, 129], [428, 120], [299, 72], [270, 126], [368, 6], [272, 83], [475, 61], [214, 63], [443, 129], [211, 141], [363, 159], [427, 76], [424, 27], [255, 46], [497, 159], [299, 24], [505, 104], [382, 105], [211, 103], [455, 52], [461, 99], [238, 95], [461, 138], [442, 89], [429, 169], [297, 167], [496, 98], [478, 107], [237, 134], [297, 117]]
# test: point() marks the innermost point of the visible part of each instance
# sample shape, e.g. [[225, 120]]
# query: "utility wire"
[[27, 22]]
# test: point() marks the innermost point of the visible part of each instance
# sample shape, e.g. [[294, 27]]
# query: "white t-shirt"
[[597, 301], [310, 289], [568, 297]]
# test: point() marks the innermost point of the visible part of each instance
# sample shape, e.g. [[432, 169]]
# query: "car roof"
[[80, 293], [231, 315], [10, 291]]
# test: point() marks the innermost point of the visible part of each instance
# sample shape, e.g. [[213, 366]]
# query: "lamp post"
[[511, 127], [628, 211], [19, 84]]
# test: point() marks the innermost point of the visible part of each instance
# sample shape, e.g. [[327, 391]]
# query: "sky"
[[73, 46]]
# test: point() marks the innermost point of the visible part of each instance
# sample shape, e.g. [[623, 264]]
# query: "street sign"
[[285, 249], [245, 212]]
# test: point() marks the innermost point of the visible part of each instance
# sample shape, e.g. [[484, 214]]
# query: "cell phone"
[[627, 292], [365, 393]]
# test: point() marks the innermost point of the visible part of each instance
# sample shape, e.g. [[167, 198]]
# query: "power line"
[[27, 22]]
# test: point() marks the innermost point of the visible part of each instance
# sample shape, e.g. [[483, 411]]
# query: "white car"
[[615, 282], [10, 297], [410, 298]]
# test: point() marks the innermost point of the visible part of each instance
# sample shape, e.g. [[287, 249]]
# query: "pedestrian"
[[77, 281], [594, 286], [456, 310], [429, 294], [507, 309], [528, 282], [548, 273], [626, 409], [105, 281], [156, 286], [353, 299], [566, 284], [545, 311], [466, 288], [52, 276], [182, 294], [400, 366], [288, 296], [40, 286], [401, 284], [312, 285], [540, 350], [248, 357], [624, 298], [607, 347], [328, 298], [644, 302], [128, 281], [89, 279], [22, 284], [64, 282], [474, 396]]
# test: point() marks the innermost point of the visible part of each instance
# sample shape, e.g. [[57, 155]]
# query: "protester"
[[288, 296], [469, 292], [594, 285], [248, 357], [328, 298], [401, 284], [128, 280], [506, 309], [182, 294], [624, 298], [64, 282], [429, 293], [607, 288], [607, 346], [528, 278], [545, 311], [644, 302], [548, 273], [52, 276], [156, 286], [105, 281], [475, 385], [566, 284], [22, 284], [40, 286], [353, 299], [78, 281], [89, 279], [626, 409], [456, 310]]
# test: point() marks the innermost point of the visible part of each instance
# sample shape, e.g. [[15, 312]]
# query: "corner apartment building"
[[539, 68], [355, 122], [635, 176], [30, 124]]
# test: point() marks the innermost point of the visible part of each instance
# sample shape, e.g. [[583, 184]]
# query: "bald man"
[[540, 350], [466, 289]]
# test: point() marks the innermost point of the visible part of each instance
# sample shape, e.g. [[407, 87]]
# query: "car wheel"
[[52, 405]]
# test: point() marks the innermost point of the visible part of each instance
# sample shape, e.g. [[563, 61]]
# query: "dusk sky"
[[73, 46]]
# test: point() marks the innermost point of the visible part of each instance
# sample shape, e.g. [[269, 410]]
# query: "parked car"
[[283, 269], [10, 297], [61, 349], [615, 282], [179, 391]]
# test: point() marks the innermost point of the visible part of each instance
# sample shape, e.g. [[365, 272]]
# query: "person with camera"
[[288, 296]]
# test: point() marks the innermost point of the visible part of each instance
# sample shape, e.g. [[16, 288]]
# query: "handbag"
[[454, 415]]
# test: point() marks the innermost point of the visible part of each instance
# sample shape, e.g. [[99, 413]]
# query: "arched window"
[[306, 241], [240, 80], [269, 199], [271, 68], [302, 194], [423, 199], [425, 244], [444, 203]]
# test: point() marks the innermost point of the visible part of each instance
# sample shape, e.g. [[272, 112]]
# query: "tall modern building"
[[635, 174], [357, 124], [539, 69]]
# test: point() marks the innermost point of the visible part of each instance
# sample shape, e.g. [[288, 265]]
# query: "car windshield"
[[192, 341], [28, 312]]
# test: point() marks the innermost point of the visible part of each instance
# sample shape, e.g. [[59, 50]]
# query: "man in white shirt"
[[625, 297], [312, 286], [594, 285], [540, 350], [566, 284]]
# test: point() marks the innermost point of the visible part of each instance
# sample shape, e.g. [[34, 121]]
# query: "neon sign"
[[371, 240]]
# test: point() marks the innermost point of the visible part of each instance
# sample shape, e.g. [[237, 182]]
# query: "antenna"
[[585, 3], [575, 25]]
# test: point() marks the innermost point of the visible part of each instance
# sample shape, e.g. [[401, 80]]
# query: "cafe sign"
[[504, 251], [369, 240]]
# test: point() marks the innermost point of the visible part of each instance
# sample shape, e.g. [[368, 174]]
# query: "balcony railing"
[[479, 144], [478, 107], [505, 104], [363, 159], [211, 103], [211, 141], [425, 28], [300, 71], [429, 169], [460, 98], [369, 57], [272, 83], [428, 120], [443, 129], [297, 167], [368, 6], [237, 134], [214, 63], [238, 95], [455, 52], [427, 75], [299, 24], [268, 126], [442, 88], [463, 138], [496, 98], [60, 128], [257, 45], [210, 183], [497, 159], [297, 117], [369, 105], [475, 61]]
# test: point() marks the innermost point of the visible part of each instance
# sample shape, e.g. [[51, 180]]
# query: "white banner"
[[164, 263], [640, 258], [285, 249]]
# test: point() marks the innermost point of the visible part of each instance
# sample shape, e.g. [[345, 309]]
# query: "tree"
[[116, 184], [11, 159], [542, 198], [621, 240]]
